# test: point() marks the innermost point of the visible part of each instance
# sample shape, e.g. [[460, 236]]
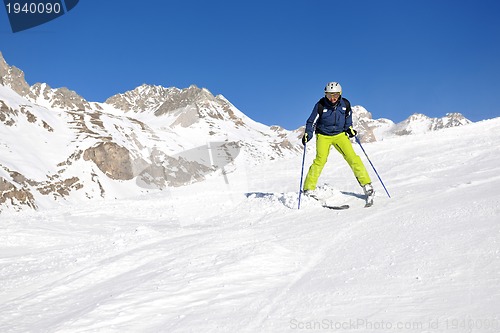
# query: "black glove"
[[351, 132], [305, 139]]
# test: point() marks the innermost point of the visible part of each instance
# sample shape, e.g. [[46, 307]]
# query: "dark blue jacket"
[[335, 119]]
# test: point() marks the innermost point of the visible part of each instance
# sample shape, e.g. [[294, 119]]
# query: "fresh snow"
[[233, 253]]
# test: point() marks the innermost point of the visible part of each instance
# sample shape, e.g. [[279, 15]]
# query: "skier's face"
[[333, 97]]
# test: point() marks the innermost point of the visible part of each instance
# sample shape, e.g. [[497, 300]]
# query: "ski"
[[342, 207], [325, 205]]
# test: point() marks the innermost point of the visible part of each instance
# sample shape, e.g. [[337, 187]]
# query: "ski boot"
[[369, 193]]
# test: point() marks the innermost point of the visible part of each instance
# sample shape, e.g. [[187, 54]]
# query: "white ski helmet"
[[333, 87]]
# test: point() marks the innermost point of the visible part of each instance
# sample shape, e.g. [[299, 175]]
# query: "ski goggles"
[[333, 94]]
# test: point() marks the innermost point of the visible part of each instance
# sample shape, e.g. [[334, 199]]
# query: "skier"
[[332, 119]]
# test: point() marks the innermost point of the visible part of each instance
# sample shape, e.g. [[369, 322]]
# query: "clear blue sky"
[[271, 59]]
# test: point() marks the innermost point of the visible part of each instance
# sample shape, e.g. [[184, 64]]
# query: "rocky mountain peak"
[[359, 112], [189, 97], [61, 98], [40, 93], [143, 98], [160, 100], [13, 77], [185, 107], [451, 120], [4, 68]]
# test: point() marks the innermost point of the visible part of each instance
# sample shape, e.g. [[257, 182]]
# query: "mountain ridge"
[[85, 150], [144, 139]]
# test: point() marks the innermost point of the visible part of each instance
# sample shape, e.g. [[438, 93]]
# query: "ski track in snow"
[[233, 254]]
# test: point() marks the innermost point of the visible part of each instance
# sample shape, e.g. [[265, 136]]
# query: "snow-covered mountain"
[[56, 145], [371, 130]]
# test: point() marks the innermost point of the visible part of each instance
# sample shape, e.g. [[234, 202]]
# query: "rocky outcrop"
[[14, 196], [113, 160], [18, 192]]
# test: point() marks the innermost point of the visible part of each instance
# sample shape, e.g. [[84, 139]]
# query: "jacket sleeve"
[[311, 121], [348, 116]]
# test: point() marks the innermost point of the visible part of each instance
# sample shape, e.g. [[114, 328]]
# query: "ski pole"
[[359, 143], [302, 172]]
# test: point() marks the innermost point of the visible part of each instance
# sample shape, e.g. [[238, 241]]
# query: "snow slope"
[[233, 254]]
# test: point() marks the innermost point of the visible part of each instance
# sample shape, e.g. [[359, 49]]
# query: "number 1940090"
[[33, 8]]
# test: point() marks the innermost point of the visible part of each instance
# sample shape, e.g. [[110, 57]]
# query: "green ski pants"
[[343, 145]]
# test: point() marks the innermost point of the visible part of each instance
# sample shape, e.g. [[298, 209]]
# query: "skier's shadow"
[[352, 194], [282, 198], [259, 195]]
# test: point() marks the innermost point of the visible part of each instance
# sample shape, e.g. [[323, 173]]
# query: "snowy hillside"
[[233, 254], [56, 147]]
